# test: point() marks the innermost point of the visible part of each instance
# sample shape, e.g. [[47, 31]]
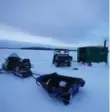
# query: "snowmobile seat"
[[25, 61], [25, 64], [25, 68]]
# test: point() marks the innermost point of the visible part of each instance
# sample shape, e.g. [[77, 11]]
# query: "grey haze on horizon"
[[17, 44], [66, 20]]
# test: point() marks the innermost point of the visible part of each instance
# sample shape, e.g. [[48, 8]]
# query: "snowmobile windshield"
[[14, 55]]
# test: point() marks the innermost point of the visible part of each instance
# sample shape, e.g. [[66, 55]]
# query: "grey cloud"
[[65, 20]]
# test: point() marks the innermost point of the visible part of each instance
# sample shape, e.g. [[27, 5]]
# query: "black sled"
[[59, 86], [17, 66]]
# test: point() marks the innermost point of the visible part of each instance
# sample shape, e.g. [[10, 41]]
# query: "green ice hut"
[[93, 54]]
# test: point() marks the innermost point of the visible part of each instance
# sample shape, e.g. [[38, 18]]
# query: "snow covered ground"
[[23, 95]]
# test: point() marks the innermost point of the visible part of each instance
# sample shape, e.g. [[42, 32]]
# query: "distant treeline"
[[38, 48], [43, 48]]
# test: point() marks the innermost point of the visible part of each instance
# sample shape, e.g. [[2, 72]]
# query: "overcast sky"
[[68, 21]]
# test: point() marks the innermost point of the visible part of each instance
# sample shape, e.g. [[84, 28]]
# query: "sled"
[[51, 83]]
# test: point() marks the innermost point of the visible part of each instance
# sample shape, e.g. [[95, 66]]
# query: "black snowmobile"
[[17, 66], [59, 86]]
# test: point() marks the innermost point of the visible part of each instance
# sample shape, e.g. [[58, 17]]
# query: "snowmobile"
[[59, 86], [17, 66]]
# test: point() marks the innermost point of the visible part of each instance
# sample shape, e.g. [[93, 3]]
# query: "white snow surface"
[[23, 95]]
